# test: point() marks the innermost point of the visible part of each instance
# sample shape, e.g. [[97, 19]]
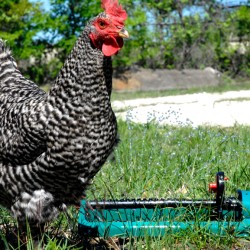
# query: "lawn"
[[155, 161], [173, 162]]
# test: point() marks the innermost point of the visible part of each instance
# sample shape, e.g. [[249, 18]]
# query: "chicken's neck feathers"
[[82, 79]]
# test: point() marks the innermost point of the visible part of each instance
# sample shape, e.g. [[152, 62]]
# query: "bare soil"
[[163, 79]]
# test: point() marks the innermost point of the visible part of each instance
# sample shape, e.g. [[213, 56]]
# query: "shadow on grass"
[[11, 238]]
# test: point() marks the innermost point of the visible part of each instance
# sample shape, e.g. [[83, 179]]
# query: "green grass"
[[160, 162], [172, 162], [155, 161]]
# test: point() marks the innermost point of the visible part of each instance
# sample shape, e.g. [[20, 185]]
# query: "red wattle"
[[111, 46]]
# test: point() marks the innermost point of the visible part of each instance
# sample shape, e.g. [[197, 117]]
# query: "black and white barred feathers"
[[52, 145]]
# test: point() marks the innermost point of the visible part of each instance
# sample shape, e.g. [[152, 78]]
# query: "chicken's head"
[[107, 30]]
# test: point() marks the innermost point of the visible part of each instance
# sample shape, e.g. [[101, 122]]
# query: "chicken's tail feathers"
[[3, 48], [2, 44], [5, 53]]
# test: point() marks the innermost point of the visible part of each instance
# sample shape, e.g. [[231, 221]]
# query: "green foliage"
[[19, 23], [67, 19], [186, 34], [243, 21], [163, 34], [134, 50]]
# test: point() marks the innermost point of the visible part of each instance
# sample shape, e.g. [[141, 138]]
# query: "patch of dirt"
[[126, 85], [163, 79]]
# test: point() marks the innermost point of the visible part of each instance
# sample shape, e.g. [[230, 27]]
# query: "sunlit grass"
[[157, 161], [154, 161]]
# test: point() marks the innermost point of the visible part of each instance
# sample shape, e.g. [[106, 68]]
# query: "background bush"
[[173, 34]]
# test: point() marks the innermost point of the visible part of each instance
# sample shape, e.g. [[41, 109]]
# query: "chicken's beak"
[[123, 33]]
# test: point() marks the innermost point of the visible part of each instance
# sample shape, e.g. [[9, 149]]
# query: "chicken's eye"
[[102, 24]]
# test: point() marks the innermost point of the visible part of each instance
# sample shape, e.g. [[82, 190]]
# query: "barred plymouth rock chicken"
[[52, 145]]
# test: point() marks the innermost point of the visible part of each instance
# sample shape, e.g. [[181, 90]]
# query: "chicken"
[[52, 145]]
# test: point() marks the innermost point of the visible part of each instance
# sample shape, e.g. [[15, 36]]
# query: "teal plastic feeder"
[[140, 218]]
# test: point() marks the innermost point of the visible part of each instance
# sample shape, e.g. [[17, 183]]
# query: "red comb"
[[112, 8]]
